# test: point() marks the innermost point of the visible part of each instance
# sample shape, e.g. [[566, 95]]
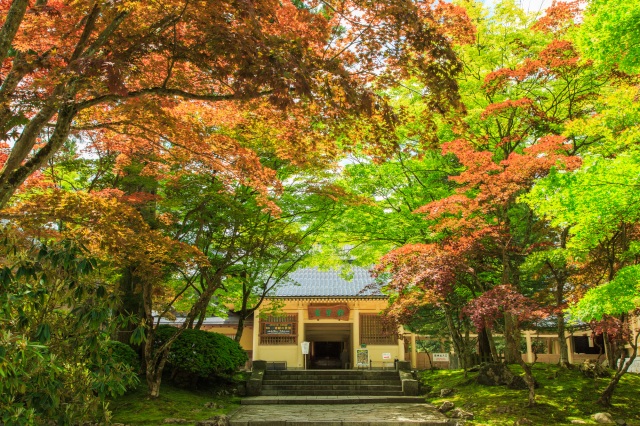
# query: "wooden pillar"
[[256, 335], [527, 336], [414, 352], [569, 340], [300, 335], [401, 343], [355, 337]]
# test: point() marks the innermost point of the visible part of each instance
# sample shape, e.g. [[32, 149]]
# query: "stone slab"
[[380, 414], [330, 400]]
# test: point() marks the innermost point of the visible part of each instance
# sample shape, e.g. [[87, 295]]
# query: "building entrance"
[[330, 345]]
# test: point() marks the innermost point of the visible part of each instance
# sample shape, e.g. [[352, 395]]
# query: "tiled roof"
[[312, 282], [231, 320]]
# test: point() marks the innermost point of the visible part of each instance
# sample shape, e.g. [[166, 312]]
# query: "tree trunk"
[[623, 367], [484, 347], [609, 349], [512, 354], [531, 383], [201, 318], [14, 175], [562, 340], [492, 345], [561, 278], [240, 329], [156, 359], [458, 342]]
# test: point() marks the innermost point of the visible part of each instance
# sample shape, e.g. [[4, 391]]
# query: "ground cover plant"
[[563, 395], [136, 408]]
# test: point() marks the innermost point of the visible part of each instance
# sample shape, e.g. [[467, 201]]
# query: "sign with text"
[[386, 355], [440, 357], [339, 311], [278, 328], [305, 348]]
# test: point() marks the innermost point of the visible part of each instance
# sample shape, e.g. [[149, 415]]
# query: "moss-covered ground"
[[564, 395], [136, 409]]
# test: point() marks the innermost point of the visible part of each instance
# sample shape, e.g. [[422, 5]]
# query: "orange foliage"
[[195, 82]]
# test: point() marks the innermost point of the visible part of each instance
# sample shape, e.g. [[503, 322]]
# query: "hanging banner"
[[339, 312]]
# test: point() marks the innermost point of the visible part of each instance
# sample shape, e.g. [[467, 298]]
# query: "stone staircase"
[[331, 383]]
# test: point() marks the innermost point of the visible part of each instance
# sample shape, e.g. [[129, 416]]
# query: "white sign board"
[[386, 355], [305, 348], [440, 357]]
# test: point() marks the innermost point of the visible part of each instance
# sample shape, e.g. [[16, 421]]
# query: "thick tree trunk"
[[458, 342], [484, 348], [10, 27], [562, 341], [14, 172], [512, 354]]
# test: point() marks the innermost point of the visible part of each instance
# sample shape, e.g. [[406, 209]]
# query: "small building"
[[338, 317]]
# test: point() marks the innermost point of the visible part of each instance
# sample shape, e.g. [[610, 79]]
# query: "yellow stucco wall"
[[246, 341], [292, 354]]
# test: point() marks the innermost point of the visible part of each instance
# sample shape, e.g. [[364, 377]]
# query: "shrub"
[[202, 353], [121, 353]]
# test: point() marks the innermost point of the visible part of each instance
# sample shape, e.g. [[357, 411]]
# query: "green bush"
[[121, 353], [202, 353]]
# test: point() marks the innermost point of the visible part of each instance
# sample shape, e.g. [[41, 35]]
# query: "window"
[[374, 330], [281, 330]]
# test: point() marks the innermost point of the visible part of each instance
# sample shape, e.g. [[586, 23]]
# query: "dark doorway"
[[326, 354]]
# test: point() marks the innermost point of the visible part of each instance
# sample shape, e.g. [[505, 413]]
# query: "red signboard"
[[339, 311]]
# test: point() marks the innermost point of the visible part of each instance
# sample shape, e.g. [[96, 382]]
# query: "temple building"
[[324, 320], [335, 320]]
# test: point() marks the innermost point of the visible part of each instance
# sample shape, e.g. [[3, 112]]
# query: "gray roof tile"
[[312, 282]]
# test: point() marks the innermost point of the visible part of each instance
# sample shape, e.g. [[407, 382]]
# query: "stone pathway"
[[329, 400], [380, 414]]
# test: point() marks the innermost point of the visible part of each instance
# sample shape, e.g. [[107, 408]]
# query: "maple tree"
[[520, 128], [160, 88], [155, 76], [595, 203], [252, 248], [609, 34]]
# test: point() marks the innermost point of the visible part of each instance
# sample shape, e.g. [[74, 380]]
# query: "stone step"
[[343, 372], [331, 392], [332, 382], [397, 386], [315, 400], [329, 377]]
